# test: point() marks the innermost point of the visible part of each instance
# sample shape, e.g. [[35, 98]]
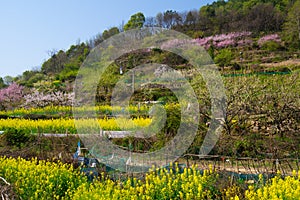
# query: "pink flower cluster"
[[39, 99], [218, 41], [176, 43], [225, 40], [245, 42], [11, 96], [266, 38]]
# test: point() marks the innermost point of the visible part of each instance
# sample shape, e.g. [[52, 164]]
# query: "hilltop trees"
[[136, 21], [171, 18], [168, 19], [8, 80], [66, 64], [56, 63], [108, 33], [263, 17]]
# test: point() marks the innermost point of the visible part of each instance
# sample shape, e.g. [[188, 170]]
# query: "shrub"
[[224, 57], [271, 46], [17, 137]]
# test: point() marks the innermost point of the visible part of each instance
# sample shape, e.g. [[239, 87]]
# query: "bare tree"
[[171, 18], [150, 22]]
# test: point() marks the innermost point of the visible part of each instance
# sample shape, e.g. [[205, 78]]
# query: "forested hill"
[[279, 19]]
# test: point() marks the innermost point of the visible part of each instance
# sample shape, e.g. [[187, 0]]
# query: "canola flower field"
[[36, 179], [63, 125], [60, 118]]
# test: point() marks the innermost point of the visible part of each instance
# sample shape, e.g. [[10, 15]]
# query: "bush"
[[17, 137], [224, 57], [271, 46]]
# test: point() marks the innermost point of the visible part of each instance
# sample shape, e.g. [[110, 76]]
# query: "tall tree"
[[159, 19], [8, 80], [171, 18], [291, 28], [55, 63], [136, 21], [191, 18], [150, 22]]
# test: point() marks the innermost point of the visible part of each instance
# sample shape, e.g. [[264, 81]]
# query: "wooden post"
[[187, 161]]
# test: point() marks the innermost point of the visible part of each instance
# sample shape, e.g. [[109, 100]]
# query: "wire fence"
[[243, 165], [239, 165]]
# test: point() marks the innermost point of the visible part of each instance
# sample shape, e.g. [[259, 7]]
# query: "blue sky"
[[29, 29]]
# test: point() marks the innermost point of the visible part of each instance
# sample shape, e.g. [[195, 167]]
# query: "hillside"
[[255, 46], [261, 18]]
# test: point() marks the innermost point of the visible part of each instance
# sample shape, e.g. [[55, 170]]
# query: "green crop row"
[[67, 111]]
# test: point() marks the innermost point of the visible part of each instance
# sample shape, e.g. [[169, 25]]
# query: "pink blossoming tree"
[[55, 98], [11, 97]]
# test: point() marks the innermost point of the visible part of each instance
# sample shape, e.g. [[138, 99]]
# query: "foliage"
[[136, 21], [263, 17], [108, 33], [69, 72], [224, 57], [291, 28], [8, 80], [16, 137], [56, 63], [30, 77], [271, 46], [2, 84], [169, 19], [61, 63]]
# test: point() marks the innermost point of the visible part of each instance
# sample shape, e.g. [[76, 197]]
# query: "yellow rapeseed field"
[[68, 125], [34, 179]]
